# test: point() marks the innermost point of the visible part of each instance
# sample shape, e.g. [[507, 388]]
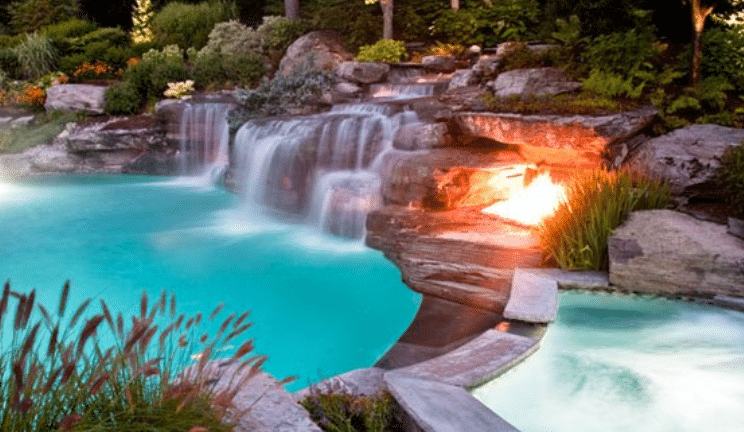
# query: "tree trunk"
[[699, 14], [292, 9], [387, 18], [455, 4]]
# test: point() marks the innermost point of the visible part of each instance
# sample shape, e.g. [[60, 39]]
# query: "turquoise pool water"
[[320, 306], [618, 364]]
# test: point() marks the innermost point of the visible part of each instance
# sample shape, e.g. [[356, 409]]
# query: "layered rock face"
[[662, 251]]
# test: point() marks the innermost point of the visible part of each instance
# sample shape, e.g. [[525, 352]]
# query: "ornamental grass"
[[57, 375], [597, 202]]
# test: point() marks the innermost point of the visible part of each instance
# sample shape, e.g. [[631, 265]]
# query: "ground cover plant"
[[45, 128], [61, 374], [337, 410], [598, 201]]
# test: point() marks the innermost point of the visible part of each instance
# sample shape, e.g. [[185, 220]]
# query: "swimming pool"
[[615, 363], [320, 306]]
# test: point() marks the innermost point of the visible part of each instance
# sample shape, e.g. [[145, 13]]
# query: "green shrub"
[[7, 41], [612, 85], [487, 25], [384, 50], [31, 15], [58, 375], [69, 63], [71, 28], [9, 62], [36, 56], [623, 53], [123, 98], [189, 25], [283, 93], [344, 412], [597, 202], [214, 69], [723, 56], [110, 35], [731, 178], [357, 23], [232, 37], [277, 32]]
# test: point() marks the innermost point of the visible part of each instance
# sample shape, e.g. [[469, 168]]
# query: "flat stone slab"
[[533, 298], [582, 280], [437, 407], [476, 362], [360, 382]]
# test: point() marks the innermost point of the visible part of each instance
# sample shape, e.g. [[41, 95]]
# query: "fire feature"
[[529, 206]]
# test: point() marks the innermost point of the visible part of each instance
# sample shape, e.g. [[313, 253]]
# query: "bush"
[[731, 178], [71, 28], [9, 62], [611, 85], [723, 56], [36, 56], [277, 32], [597, 203], [31, 15], [357, 22], [345, 412], [189, 25], [232, 37], [7, 41], [623, 53], [283, 93], [109, 35], [214, 69], [123, 98], [58, 376], [384, 50]]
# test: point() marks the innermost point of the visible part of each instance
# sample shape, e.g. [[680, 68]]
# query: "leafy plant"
[[189, 25], [731, 178], [58, 375], [445, 49], [70, 28], [340, 411], [384, 50], [36, 56], [123, 98], [31, 15], [612, 85], [142, 16], [486, 25], [597, 202], [722, 55], [277, 32]]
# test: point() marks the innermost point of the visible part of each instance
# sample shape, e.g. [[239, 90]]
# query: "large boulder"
[[527, 83], [362, 72], [462, 78], [76, 97], [688, 158], [421, 136], [569, 141], [439, 63], [322, 48], [667, 252]]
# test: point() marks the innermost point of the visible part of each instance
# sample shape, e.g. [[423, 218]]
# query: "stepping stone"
[[581, 280], [437, 407], [533, 298], [476, 362]]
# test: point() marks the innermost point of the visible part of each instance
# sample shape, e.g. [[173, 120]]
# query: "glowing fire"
[[532, 204]]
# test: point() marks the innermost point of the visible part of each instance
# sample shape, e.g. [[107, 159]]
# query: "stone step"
[[476, 362], [461, 293], [430, 406], [533, 298]]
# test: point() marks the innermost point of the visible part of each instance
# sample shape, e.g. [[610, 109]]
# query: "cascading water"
[[322, 169], [205, 138]]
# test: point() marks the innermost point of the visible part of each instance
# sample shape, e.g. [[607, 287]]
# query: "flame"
[[532, 204]]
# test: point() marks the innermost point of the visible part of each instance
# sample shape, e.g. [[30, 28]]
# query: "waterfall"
[[401, 91], [321, 169], [205, 138]]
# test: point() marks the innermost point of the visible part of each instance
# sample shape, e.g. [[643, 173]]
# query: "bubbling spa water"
[[617, 364]]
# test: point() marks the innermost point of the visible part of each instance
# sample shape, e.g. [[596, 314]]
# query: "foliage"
[[142, 16], [189, 25], [722, 54], [36, 56], [277, 32], [9, 62], [70, 28], [46, 127], [232, 37], [623, 53], [7, 41], [358, 23], [180, 89], [704, 103], [612, 85], [519, 56], [597, 202], [344, 412], [384, 50], [123, 98], [731, 177], [487, 24], [566, 104], [93, 71], [598, 17], [218, 69], [60, 377], [445, 49], [31, 15], [283, 93]]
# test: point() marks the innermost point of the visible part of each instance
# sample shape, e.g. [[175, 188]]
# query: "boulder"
[[362, 72], [76, 97], [322, 48], [359, 382], [667, 252], [462, 78], [420, 136], [687, 158], [487, 65], [527, 83], [571, 141], [439, 63]]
